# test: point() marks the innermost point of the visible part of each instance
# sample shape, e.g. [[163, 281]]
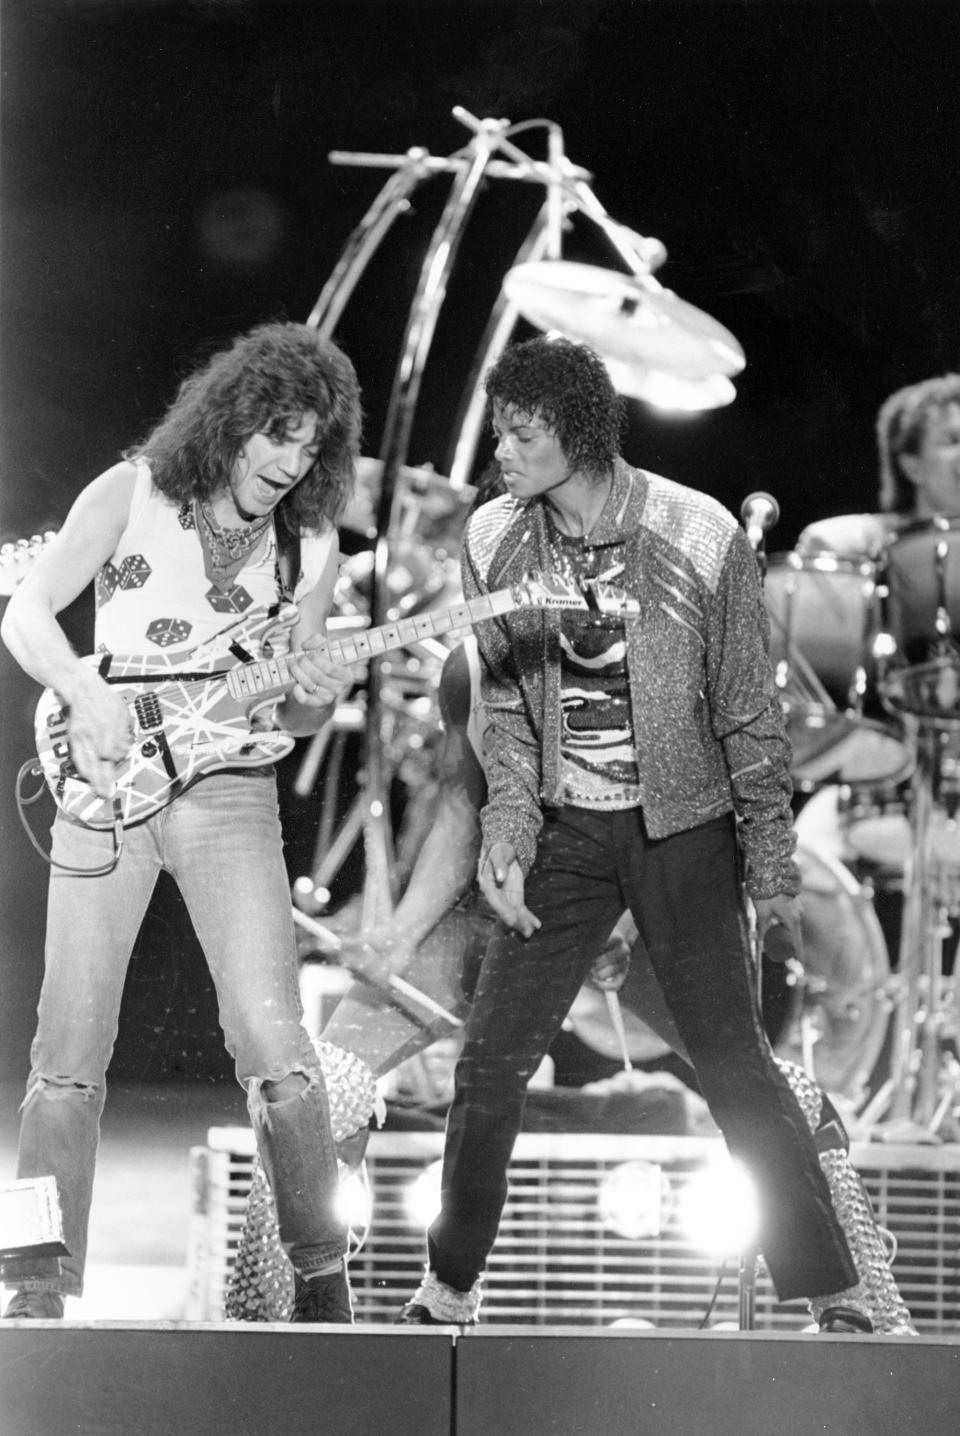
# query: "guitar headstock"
[[16, 560], [551, 590]]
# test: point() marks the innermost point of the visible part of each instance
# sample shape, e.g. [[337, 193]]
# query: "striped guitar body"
[[186, 719], [192, 713]]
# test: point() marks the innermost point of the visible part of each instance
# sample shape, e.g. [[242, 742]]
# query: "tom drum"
[[824, 614]]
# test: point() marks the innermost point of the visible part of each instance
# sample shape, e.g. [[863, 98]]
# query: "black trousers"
[[686, 897]]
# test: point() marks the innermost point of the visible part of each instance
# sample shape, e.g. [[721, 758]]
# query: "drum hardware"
[[923, 1089], [942, 625], [430, 511], [921, 590], [838, 999], [636, 324]]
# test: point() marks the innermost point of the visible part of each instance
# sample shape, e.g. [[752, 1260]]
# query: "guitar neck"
[[270, 677]]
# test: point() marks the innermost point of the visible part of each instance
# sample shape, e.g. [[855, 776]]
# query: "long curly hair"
[[566, 385], [263, 383], [901, 424]]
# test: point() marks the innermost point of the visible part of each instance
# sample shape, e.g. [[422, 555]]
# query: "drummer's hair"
[[263, 383], [567, 386], [900, 428]]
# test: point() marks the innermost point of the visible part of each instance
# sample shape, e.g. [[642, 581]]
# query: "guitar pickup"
[[147, 708]]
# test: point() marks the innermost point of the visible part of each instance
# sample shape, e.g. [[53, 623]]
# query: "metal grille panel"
[[555, 1263]]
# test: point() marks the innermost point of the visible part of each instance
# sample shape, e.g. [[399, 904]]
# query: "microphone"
[[759, 512], [778, 943]]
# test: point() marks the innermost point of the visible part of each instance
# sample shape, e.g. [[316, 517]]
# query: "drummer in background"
[[918, 441], [918, 438]]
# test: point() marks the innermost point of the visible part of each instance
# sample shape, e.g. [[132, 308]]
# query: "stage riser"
[[556, 1264], [705, 1384], [104, 1379], [100, 1379]]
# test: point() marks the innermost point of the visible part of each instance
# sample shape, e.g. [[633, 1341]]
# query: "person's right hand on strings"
[[99, 730]]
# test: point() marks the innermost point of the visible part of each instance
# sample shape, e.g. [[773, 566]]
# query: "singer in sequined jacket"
[[710, 737], [637, 764]]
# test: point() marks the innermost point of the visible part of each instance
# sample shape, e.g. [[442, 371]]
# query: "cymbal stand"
[[917, 1100], [490, 153]]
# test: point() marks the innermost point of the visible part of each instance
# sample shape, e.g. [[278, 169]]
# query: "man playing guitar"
[[226, 510]]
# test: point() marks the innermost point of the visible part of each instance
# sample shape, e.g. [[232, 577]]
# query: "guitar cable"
[[24, 801]]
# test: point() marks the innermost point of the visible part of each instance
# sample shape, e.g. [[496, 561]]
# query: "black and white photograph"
[[480, 750]]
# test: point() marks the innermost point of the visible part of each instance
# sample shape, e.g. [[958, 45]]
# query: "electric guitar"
[[192, 713], [16, 560]]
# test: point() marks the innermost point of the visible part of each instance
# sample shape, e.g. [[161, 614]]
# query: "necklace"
[[226, 550]]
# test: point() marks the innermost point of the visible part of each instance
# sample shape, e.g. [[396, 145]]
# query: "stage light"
[[303, 887], [718, 1208], [354, 1202], [630, 1200], [422, 1197]]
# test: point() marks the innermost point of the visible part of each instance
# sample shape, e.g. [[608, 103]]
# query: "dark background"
[[165, 184]]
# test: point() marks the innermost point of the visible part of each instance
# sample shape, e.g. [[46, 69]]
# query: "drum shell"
[[823, 612], [921, 573], [838, 1011]]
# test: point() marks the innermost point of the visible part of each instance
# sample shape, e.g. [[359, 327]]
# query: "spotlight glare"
[[718, 1209], [631, 1200], [354, 1203], [422, 1197]]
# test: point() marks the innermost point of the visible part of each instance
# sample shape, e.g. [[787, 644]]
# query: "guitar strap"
[[288, 560]]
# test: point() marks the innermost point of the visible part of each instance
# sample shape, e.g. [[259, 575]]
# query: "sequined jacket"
[[709, 730]]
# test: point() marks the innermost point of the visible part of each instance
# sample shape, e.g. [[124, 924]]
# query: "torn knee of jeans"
[[285, 1087], [59, 1088]]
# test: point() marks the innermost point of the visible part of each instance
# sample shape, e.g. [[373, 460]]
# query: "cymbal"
[[670, 391], [626, 318], [424, 492]]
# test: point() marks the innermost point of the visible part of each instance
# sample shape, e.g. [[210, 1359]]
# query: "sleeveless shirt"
[[153, 594]]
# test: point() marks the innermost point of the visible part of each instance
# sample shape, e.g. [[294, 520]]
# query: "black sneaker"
[[325, 1300], [845, 1321], [413, 1314], [36, 1306]]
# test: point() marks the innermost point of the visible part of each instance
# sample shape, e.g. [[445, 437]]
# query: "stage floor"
[[127, 1361]]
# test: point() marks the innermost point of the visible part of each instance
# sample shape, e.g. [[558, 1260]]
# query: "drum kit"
[[873, 711], [869, 675]]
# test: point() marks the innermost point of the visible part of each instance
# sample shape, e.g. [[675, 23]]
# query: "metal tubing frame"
[[568, 189]]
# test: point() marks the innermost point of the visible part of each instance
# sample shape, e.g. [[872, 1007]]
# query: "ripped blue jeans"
[[221, 842]]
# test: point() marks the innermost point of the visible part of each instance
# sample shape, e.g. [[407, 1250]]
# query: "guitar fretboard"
[[269, 676]]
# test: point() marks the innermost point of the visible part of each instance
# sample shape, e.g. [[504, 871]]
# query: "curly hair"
[[264, 383], [567, 386], [901, 425]]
